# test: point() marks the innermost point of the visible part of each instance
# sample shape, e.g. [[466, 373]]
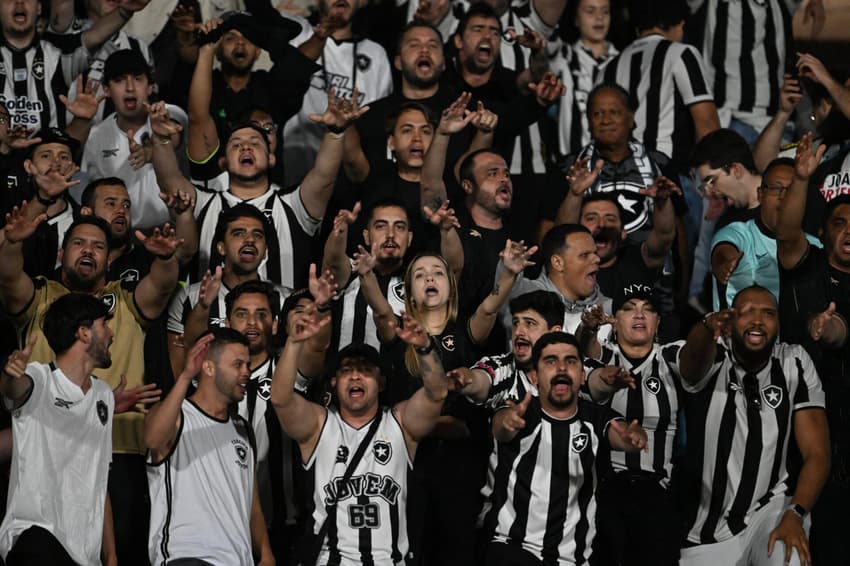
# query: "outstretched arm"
[[334, 258], [203, 137], [16, 287], [453, 120], [106, 26], [451, 248], [770, 140], [152, 292], [382, 312], [700, 350], [15, 384], [663, 232], [168, 175], [579, 180]]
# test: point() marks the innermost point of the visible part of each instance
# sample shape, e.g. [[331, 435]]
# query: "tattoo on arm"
[[495, 291]]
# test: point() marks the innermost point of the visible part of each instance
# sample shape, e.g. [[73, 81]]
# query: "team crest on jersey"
[[341, 454], [2, 68], [652, 384], [449, 343], [264, 387], [130, 275], [38, 70], [398, 291], [579, 442], [383, 451], [104, 153], [363, 62], [109, 300], [102, 412], [241, 450], [772, 395]]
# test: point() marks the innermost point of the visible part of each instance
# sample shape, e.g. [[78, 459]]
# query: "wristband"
[[45, 201], [798, 510], [335, 129], [165, 257], [425, 350], [704, 320]]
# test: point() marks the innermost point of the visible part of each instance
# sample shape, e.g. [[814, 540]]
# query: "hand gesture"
[[548, 89], [720, 323], [595, 316], [183, 18], [515, 256], [632, 434], [139, 154], [580, 178], [178, 203], [512, 419], [328, 25], [19, 137], [790, 532], [18, 227], [210, 288], [727, 267], [530, 39], [322, 288], [345, 218], [411, 332], [364, 261], [341, 113], [161, 243], [54, 183], [304, 325], [661, 189], [161, 124], [128, 400], [195, 357], [790, 94], [16, 363], [444, 217], [86, 102], [459, 378], [484, 120], [817, 324], [616, 377], [810, 67], [456, 117], [805, 162], [208, 38]]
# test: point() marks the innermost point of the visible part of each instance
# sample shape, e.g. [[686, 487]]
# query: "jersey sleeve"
[[37, 378], [733, 233], [808, 392], [309, 224], [689, 76], [177, 310], [672, 355]]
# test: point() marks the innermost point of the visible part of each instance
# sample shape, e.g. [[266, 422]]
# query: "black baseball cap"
[[125, 62], [357, 350], [55, 135], [634, 291]]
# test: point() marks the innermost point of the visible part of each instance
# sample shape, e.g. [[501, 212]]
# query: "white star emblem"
[[381, 451], [773, 396], [580, 443], [627, 203]]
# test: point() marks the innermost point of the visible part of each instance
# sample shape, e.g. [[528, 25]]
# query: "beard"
[[560, 403], [100, 355], [75, 282], [611, 236], [249, 178], [420, 82], [749, 357]]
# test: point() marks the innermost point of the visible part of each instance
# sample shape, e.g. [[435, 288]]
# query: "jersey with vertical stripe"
[[33, 78], [664, 77], [743, 49], [352, 317], [741, 451], [541, 485], [60, 462], [369, 517], [507, 381], [654, 402], [289, 244], [201, 493]]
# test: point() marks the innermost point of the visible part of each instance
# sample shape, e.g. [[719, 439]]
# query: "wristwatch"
[[798, 510], [425, 350]]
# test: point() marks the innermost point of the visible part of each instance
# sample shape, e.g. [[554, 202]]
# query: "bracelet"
[[162, 141], [425, 350], [124, 13], [45, 201], [705, 319], [335, 129], [165, 257]]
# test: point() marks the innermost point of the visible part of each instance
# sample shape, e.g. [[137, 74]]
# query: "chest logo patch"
[[109, 153], [448, 343], [772, 395], [241, 450], [38, 70], [398, 291], [383, 451], [109, 300], [363, 62], [102, 412], [342, 454], [130, 275], [652, 384], [264, 388], [579, 442]]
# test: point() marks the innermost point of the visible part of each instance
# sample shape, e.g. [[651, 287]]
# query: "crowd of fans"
[[424, 282]]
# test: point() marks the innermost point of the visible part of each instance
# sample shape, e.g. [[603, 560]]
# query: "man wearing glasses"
[[747, 395]]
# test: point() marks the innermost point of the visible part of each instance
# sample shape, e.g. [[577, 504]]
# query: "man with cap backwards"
[[119, 146], [639, 379], [359, 514]]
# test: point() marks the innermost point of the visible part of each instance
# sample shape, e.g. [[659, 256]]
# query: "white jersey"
[[60, 463], [370, 509], [107, 154], [201, 493]]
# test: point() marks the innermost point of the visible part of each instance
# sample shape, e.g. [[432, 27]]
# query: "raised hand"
[[411, 332], [484, 120], [304, 325], [548, 89], [817, 324], [322, 288], [210, 287], [595, 316], [459, 378], [720, 323], [18, 227], [806, 161], [530, 39], [727, 267], [161, 243], [54, 183], [86, 102], [580, 178], [444, 217], [178, 203], [632, 435], [195, 357], [790, 94], [515, 256], [328, 25], [340, 113], [810, 67], [161, 123], [661, 189], [183, 18], [616, 377], [16, 363], [139, 154], [364, 261], [345, 218], [512, 419], [19, 137], [456, 117], [134, 400]]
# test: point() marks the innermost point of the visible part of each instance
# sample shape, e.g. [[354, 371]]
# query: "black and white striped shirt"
[[507, 382], [740, 450], [665, 77], [352, 317], [289, 244], [541, 485], [654, 403], [743, 49]]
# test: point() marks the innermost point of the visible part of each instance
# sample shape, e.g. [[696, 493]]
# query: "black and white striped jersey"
[[664, 77], [654, 403], [739, 449], [743, 48], [540, 491], [352, 317], [507, 381], [289, 244]]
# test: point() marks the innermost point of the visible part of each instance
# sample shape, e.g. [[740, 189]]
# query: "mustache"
[[607, 235], [559, 379]]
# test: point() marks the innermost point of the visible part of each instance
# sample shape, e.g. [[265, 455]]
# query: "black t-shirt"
[[630, 267], [481, 247], [830, 179]]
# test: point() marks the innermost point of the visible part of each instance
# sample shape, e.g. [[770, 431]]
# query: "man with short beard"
[[746, 396]]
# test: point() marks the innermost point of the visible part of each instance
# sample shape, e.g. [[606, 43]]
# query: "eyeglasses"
[[267, 127], [704, 188], [751, 391], [774, 188]]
